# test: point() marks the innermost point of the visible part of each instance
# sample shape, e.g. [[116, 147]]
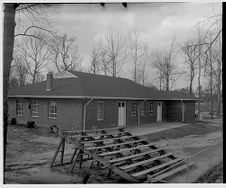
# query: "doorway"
[[121, 113], [159, 111]]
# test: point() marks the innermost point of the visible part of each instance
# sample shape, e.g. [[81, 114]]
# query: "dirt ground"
[[29, 152]]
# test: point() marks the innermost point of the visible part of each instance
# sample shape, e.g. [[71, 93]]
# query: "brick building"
[[76, 100]]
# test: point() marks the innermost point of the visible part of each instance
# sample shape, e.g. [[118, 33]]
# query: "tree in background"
[[65, 53], [114, 52], [163, 61], [135, 53], [191, 54], [35, 54]]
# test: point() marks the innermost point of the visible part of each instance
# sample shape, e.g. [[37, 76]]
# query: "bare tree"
[[95, 60], [145, 61], [163, 62], [35, 55], [191, 54], [65, 53], [136, 53], [20, 69], [114, 52]]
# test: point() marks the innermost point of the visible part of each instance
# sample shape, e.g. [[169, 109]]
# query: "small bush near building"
[[13, 121], [30, 124]]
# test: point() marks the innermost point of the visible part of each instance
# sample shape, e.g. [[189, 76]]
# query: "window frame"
[[52, 112], [150, 110], [142, 109], [100, 117], [35, 111], [19, 101], [133, 113]]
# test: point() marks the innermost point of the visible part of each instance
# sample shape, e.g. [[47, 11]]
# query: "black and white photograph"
[[112, 92]]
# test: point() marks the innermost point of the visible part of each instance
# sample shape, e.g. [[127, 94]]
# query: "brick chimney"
[[49, 81]]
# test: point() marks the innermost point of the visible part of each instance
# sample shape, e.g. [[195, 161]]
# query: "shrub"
[[30, 124], [13, 121]]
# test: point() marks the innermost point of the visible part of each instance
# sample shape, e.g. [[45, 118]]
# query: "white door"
[[159, 111], [121, 114]]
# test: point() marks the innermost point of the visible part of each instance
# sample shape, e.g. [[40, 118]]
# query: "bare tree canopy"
[[163, 61], [113, 52], [65, 53]]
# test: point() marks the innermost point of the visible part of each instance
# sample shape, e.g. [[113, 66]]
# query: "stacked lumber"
[[121, 153]]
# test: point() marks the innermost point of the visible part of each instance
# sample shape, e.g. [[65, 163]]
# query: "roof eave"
[[96, 97]]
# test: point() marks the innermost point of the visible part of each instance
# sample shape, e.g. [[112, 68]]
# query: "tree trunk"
[[8, 43], [167, 83], [211, 83], [191, 80], [199, 84], [219, 90]]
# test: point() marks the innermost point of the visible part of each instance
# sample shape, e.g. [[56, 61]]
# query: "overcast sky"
[[157, 22]]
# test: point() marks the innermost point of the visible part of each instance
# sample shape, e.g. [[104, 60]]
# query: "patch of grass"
[[213, 175], [191, 129]]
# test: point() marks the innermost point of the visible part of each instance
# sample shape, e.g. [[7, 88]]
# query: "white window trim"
[[50, 113], [134, 115], [37, 112], [100, 119], [18, 114]]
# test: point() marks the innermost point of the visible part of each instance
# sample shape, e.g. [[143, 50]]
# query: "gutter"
[[84, 113]]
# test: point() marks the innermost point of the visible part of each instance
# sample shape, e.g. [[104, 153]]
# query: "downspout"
[[84, 113], [182, 104]]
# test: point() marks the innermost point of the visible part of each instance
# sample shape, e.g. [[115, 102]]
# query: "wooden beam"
[[62, 151], [56, 153], [134, 156], [125, 150], [144, 162], [119, 144], [170, 173], [112, 167], [145, 172]]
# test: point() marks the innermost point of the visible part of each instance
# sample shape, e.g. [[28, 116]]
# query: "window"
[[100, 111], [150, 108], [142, 109], [19, 107], [53, 110], [34, 109], [133, 109]]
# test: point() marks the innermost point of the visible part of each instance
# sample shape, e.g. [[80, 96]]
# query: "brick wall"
[[110, 114], [69, 113]]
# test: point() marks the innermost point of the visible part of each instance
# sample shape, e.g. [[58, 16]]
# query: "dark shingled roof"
[[92, 85]]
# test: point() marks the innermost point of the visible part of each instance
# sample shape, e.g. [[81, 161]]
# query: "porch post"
[[182, 105], [138, 114]]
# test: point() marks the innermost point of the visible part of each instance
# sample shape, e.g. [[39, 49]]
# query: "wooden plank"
[[170, 173], [100, 134], [106, 139], [126, 167], [125, 150], [90, 131], [112, 167], [113, 145], [134, 156], [62, 151], [56, 153], [145, 172]]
